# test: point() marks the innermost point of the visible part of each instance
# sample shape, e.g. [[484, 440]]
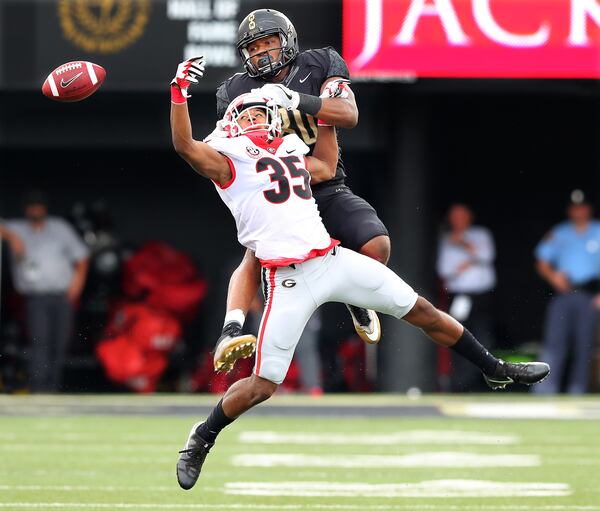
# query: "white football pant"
[[293, 293]]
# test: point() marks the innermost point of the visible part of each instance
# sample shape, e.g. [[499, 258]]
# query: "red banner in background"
[[472, 38]]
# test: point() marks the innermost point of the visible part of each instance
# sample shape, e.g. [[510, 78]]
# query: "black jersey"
[[306, 75]]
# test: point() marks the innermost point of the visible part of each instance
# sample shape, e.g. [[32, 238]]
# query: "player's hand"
[[188, 72], [337, 88], [280, 95]]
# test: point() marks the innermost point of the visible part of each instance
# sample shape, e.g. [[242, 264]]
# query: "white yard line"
[[401, 437], [277, 507], [450, 488], [423, 459], [519, 410]]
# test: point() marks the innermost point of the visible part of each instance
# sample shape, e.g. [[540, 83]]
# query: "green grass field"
[[279, 463]]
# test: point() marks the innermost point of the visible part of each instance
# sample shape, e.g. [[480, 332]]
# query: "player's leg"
[[366, 323], [354, 222], [378, 248], [288, 306], [366, 283], [243, 286]]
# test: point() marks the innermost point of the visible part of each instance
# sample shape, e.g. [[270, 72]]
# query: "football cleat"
[[527, 373], [366, 324], [231, 347], [191, 459]]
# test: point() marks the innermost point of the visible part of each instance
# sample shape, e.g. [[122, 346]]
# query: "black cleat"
[[191, 459], [527, 373]]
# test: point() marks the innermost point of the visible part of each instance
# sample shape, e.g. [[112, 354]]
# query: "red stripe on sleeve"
[[233, 173]]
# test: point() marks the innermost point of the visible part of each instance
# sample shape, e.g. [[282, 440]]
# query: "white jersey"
[[270, 198]]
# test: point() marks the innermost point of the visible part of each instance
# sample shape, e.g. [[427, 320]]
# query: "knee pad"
[[272, 368]]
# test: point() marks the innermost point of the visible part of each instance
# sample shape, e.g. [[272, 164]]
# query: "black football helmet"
[[261, 23]]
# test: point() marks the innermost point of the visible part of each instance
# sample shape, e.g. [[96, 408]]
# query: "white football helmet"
[[240, 106]]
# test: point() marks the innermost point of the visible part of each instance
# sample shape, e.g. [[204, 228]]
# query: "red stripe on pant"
[[266, 318]]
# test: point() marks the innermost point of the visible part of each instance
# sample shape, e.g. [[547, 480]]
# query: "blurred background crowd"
[[116, 257]]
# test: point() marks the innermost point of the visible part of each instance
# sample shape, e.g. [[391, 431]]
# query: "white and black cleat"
[[366, 323]]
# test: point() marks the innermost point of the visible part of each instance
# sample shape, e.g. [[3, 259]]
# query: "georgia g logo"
[[288, 283], [253, 152]]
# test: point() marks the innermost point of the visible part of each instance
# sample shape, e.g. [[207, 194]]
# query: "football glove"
[[336, 89], [188, 72], [280, 95]]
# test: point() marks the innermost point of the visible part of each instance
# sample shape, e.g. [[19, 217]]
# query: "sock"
[[470, 348], [216, 421]]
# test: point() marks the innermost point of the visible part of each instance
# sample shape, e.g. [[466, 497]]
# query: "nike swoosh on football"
[[64, 84], [304, 79]]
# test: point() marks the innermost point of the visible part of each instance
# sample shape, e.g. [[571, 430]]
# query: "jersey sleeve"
[[233, 148], [337, 65], [222, 100], [328, 62]]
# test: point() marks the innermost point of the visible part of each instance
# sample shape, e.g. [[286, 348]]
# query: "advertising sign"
[[472, 38]]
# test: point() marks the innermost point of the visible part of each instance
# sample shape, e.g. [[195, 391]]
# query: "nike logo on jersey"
[[290, 152], [64, 84], [305, 78]]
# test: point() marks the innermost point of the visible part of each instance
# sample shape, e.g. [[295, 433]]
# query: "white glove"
[[280, 95], [219, 131], [336, 89], [188, 72]]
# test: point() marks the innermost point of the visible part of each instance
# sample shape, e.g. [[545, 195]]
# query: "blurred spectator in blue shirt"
[[568, 258], [466, 266]]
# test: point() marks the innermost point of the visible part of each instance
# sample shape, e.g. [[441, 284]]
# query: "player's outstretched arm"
[[323, 162], [335, 106], [205, 160]]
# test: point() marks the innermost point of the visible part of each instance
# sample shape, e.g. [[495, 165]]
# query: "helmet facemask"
[[266, 66], [248, 109]]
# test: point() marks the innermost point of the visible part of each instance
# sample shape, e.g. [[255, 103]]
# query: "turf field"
[[85, 453]]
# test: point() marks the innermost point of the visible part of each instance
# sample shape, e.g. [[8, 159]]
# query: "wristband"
[[236, 315], [309, 104], [177, 96]]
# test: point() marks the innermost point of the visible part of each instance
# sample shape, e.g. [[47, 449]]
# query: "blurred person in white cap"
[[568, 258], [49, 268]]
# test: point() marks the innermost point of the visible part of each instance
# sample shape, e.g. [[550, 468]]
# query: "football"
[[73, 81]]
